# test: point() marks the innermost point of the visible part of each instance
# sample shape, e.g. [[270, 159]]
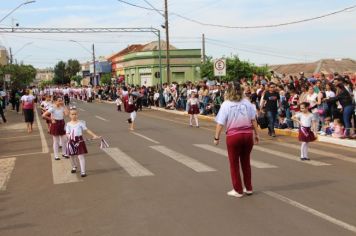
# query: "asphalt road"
[[167, 178]]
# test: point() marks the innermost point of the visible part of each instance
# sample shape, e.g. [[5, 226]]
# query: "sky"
[[331, 37]]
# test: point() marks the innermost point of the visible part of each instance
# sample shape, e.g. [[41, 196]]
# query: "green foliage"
[[21, 75], [235, 69], [63, 72], [77, 79], [105, 79]]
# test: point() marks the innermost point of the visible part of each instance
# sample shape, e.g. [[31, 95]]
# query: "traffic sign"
[[220, 67], [7, 77]]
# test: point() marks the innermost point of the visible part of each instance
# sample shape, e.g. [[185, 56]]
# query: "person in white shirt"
[[76, 144], [57, 113], [193, 104], [238, 115], [306, 121]]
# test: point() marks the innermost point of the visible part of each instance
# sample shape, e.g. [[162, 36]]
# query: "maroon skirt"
[[76, 147], [193, 109], [57, 128], [306, 135]]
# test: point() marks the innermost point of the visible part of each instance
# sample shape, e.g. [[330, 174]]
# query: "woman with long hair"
[[238, 115]]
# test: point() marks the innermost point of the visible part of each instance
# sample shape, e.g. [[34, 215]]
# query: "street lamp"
[[22, 4]]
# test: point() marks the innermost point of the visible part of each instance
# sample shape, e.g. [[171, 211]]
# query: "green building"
[[139, 64]]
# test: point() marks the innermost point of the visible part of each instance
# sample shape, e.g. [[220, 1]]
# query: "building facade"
[[44, 75], [140, 65], [4, 56]]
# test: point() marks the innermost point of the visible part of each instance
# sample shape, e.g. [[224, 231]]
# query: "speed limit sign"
[[220, 67]]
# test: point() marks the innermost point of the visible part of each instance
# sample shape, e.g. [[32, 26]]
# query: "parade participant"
[[118, 102], [76, 144], [238, 114], [193, 110], [306, 121], [27, 102], [45, 105], [2, 101], [66, 96], [131, 108], [57, 112]]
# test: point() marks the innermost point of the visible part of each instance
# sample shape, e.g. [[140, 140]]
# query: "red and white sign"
[[220, 67]]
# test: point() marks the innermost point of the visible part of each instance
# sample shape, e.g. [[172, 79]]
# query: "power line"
[[248, 27]]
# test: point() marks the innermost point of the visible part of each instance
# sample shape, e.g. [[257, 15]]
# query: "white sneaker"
[[233, 193], [248, 192]]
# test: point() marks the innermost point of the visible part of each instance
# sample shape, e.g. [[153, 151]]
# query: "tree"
[[21, 75], [77, 79], [235, 69], [63, 72], [105, 79], [60, 73]]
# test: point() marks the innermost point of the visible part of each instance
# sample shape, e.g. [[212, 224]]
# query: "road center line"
[[43, 139], [6, 167], [147, 138], [101, 118], [312, 211], [183, 159], [257, 164]]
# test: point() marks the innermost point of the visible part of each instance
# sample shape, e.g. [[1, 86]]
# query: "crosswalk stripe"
[[257, 164], [61, 172], [131, 166], [144, 137], [101, 118], [183, 159], [289, 156], [319, 152], [7, 165]]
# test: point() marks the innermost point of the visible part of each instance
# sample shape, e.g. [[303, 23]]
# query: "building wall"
[[140, 67], [4, 59]]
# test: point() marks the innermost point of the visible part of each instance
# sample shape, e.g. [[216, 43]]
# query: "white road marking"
[[6, 167], [80, 109], [43, 139], [147, 138], [132, 167], [61, 171], [101, 118], [183, 159], [318, 152], [289, 156], [26, 136], [22, 154], [257, 164], [312, 211]]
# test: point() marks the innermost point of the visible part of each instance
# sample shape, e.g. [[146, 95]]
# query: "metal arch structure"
[[90, 30]]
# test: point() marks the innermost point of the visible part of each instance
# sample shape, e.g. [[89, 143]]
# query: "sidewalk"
[[283, 132]]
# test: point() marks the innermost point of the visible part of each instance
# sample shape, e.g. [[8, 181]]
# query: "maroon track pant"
[[239, 147]]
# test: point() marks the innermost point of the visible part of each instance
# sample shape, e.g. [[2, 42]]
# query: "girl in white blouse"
[[76, 144]]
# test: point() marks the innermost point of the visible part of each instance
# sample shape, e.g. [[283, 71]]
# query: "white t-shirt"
[[76, 129], [57, 113], [236, 116], [193, 101], [329, 94], [305, 119]]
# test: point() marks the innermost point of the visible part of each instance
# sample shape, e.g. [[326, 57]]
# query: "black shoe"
[[307, 159], [74, 170], [65, 156], [273, 135], [83, 175], [57, 158]]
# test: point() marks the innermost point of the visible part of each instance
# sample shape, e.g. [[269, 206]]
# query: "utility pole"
[[11, 58], [167, 40], [203, 50], [94, 69]]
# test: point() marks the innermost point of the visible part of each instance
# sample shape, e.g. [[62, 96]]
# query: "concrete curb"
[[283, 132]]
